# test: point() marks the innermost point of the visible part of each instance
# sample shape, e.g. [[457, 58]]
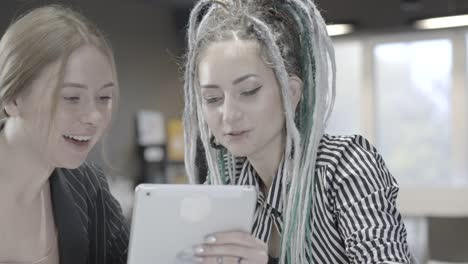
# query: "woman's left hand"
[[232, 247]]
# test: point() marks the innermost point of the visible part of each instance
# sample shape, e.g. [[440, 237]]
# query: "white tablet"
[[168, 220]]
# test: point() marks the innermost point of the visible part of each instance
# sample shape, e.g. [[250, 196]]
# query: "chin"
[[70, 164]]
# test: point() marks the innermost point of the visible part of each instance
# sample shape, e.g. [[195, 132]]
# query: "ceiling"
[[368, 15]]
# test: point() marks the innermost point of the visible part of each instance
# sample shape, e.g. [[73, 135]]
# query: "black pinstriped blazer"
[[90, 224]]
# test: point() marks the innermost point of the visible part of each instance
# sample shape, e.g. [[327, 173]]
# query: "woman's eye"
[[72, 99], [211, 100], [105, 98], [251, 92]]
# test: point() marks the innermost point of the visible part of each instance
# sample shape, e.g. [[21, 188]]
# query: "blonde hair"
[[293, 35], [39, 38]]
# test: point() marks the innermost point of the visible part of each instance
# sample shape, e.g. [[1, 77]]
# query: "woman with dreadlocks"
[[260, 84]]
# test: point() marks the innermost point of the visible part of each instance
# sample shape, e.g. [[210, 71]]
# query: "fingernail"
[[199, 249], [210, 239]]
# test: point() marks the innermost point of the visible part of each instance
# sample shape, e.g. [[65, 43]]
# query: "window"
[[413, 100], [345, 118]]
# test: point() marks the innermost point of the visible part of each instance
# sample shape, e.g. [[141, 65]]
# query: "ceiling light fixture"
[[340, 29], [442, 22]]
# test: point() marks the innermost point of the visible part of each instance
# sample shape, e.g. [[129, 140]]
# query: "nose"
[[231, 110], [91, 114]]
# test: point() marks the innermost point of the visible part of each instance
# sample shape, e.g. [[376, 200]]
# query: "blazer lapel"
[[72, 239]]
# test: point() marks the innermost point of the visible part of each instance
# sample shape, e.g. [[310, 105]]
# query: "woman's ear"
[[295, 85], [12, 107]]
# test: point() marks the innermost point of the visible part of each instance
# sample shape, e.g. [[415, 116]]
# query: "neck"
[[23, 172], [267, 161]]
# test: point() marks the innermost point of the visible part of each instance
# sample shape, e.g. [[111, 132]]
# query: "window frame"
[[423, 200]]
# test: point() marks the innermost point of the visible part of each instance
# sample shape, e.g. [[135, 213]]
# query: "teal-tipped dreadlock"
[[306, 109]]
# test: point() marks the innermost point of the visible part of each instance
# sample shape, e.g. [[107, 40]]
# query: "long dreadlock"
[[294, 39]]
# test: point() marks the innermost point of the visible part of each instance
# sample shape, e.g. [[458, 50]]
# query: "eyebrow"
[[82, 86], [236, 81], [243, 78]]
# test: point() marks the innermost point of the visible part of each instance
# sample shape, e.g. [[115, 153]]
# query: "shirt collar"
[[274, 199]]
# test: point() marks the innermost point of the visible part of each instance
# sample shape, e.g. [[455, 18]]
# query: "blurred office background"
[[403, 86]]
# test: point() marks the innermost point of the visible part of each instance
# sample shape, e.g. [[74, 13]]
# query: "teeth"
[[79, 138]]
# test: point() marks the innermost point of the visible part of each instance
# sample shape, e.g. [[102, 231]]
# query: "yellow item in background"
[[175, 140], [176, 174]]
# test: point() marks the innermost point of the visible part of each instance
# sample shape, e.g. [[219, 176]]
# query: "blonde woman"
[[58, 87], [259, 87]]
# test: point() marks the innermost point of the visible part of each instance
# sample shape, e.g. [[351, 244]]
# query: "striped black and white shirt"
[[90, 224], [355, 219]]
